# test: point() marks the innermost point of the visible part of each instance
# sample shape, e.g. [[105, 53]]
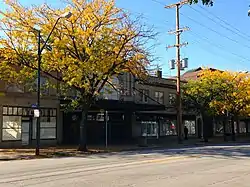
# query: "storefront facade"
[[18, 125], [160, 127]]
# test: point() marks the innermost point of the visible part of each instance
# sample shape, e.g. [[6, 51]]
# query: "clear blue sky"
[[212, 42]]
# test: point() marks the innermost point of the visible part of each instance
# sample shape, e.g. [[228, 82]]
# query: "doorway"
[[26, 132]]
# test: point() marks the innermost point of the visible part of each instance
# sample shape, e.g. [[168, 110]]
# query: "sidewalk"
[[62, 151]]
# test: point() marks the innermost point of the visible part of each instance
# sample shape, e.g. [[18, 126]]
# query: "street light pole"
[[39, 56], [38, 93]]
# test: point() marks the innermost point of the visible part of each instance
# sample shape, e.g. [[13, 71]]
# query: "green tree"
[[98, 42], [205, 2]]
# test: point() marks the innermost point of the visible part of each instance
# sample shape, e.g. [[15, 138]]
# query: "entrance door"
[[71, 126], [26, 131], [199, 128]]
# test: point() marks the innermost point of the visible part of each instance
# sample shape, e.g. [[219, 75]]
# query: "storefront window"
[[19, 111], [12, 119], [11, 130], [149, 128], [242, 127], [10, 111], [48, 128], [218, 127], [168, 127], [191, 126], [14, 110], [5, 110]]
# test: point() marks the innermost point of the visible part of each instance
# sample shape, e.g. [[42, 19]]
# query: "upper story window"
[[144, 95], [32, 86], [172, 98], [159, 97], [14, 88]]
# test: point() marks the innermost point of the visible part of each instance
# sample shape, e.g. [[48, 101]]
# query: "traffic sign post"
[[106, 124]]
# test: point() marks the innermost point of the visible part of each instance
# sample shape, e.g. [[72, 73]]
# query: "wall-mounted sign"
[[36, 113]]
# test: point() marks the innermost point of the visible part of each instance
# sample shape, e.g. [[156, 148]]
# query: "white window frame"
[[149, 129], [144, 94], [172, 96], [158, 98], [9, 126]]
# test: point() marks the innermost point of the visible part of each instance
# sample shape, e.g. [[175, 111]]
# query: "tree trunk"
[[205, 136], [246, 125], [232, 126], [199, 128], [225, 122], [238, 125], [83, 130]]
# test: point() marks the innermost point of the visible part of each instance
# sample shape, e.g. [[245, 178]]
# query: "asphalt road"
[[190, 167]]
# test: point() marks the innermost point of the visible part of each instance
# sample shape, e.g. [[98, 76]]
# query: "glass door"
[[25, 131]]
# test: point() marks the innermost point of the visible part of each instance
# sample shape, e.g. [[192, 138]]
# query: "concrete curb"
[[7, 158]]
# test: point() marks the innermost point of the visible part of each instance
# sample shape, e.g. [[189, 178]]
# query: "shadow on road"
[[227, 151]]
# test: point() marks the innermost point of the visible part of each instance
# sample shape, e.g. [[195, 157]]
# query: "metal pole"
[[106, 128], [178, 63], [38, 94], [39, 52]]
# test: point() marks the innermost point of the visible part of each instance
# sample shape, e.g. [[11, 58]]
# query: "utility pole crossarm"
[[177, 4], [179, 31], [177, 45]]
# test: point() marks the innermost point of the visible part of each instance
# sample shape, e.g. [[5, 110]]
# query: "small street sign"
[[34, 106], [36, 113]]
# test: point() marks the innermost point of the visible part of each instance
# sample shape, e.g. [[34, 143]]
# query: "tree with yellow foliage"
[[198, 94], [234, 98], [99, 41], [219, 93]]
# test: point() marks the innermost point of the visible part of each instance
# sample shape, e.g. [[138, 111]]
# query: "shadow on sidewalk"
[[188, 148]]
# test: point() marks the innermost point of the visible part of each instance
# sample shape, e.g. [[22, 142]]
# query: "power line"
[[243, 35], [227, 28], [215, 53], [160, 23], [222, 35], [158, 2], [225, 22], [209, 51], [219, 46], [243, 59]]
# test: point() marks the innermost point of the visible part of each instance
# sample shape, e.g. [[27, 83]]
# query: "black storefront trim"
[[117, 105]]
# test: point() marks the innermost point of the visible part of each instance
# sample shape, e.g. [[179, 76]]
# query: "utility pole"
[[179, 65]]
